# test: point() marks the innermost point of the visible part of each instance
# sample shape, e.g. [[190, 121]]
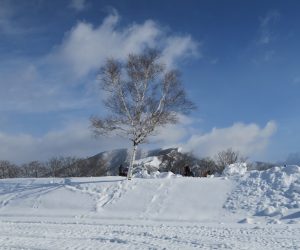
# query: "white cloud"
[[86, 47], [178, 47], [43, 84], [49, 82], [78, 5], [248, 139], [24, 88], [76, 139], [73, 140], [172, 134]]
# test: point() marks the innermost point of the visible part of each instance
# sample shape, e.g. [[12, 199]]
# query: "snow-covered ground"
[[240, 210]]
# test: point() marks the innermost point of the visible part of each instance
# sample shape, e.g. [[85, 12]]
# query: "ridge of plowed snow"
[[274, 193]]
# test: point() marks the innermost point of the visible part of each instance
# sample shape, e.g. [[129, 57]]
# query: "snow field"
[[135, 235], [240, 210]]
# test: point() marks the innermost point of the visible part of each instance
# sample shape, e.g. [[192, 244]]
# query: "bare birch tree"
[[227, 157], [141, 95]]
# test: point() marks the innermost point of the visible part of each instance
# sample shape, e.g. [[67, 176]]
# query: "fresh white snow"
[[235, 169], [273, 193], [240, 210], [152, 161]]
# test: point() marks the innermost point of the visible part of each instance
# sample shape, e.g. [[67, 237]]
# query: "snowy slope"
[[171, 198], [168, 212]]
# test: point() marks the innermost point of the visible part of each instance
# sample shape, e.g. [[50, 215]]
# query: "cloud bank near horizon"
[[76, 140], [250, 140]]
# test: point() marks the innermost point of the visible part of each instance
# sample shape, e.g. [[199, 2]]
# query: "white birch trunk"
[[129, 174]]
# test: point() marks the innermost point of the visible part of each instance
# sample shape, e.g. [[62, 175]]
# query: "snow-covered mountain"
[[108, 162]]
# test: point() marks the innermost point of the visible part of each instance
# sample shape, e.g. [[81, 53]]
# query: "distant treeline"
[[171, 160], [55, 167]]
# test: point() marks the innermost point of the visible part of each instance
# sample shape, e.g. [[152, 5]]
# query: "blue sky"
[[239, 62]]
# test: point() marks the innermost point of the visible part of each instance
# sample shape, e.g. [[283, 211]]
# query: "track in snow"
[[76, 235]]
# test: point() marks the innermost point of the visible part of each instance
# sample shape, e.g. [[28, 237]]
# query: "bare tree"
[[227, 157], [34, 169], [70, 167], [207, 166], [4, 165], [176, 161], [141, 95], [8, 170], [55, 164]]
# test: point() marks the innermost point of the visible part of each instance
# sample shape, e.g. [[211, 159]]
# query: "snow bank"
[[272, 193], [155, 175], [147, 165], [153, 162], [235, 169], [147, 168]]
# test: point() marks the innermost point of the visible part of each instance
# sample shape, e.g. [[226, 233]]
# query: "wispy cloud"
[[266, 31], [86, 47], [179, 47], [268, 55], [73, 140], [26, 87], [174, 134], [51, 81], [264, 51], [8, 15], [78, 5]]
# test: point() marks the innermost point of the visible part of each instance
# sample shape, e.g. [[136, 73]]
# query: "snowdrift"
[[273, 193], [237, 169]]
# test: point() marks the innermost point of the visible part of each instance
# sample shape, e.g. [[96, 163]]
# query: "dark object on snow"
[[207, 173], [123, 171], [187, 171]]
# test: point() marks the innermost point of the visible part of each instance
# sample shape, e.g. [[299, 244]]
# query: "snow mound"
[[247, 221], [271, 193], [148, 167], [153, 162], [155, 175], [235, 169]]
